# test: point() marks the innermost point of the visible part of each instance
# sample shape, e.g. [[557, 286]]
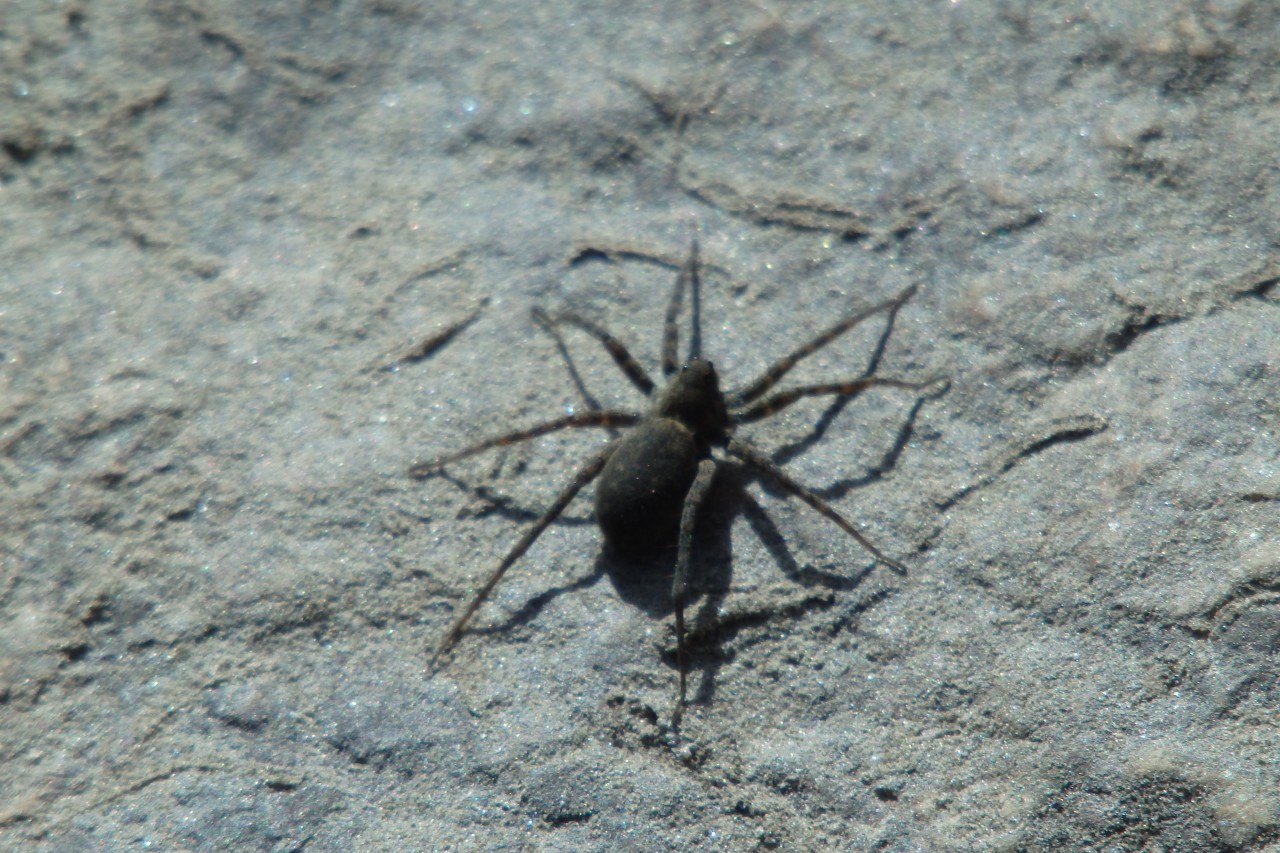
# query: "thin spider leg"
[[695, 303], [551, 328], [783, 366], [781, 400], [598, 418], [688, 516], [761, 463], [616, 350], [584, 476], [670, 330]]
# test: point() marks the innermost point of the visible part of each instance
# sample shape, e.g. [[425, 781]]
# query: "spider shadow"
[[644, 580]]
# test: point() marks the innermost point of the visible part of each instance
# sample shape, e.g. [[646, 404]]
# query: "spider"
[[654, 478]]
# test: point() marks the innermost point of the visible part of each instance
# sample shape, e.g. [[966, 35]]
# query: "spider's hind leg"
[[688, 518], [584, 476], [757, 460]]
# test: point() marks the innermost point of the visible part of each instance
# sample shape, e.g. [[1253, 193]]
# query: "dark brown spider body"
[[641, 491], [655, 478]]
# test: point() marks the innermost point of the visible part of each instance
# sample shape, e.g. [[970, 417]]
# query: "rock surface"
[[237, 236]]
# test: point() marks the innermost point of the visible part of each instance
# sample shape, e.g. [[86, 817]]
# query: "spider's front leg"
[[595, 418]]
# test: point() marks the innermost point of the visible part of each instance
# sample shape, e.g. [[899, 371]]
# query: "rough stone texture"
[[228, 234]]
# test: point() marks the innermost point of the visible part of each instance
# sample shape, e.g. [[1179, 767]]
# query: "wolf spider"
[[654, 478]]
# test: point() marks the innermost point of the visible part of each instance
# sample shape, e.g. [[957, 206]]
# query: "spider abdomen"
[[641, 491]]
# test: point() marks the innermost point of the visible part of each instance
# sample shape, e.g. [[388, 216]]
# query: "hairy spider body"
[[654, 479], [641, 493]]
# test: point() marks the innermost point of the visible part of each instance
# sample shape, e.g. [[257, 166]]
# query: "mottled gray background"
[[218, 590]]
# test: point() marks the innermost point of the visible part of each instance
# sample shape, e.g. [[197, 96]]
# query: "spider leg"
[[688, 516], [616, 350], [762, 463], [687, 277], [596, 418], [549, 326], [783, 366], [584, 476], [853, 387]]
